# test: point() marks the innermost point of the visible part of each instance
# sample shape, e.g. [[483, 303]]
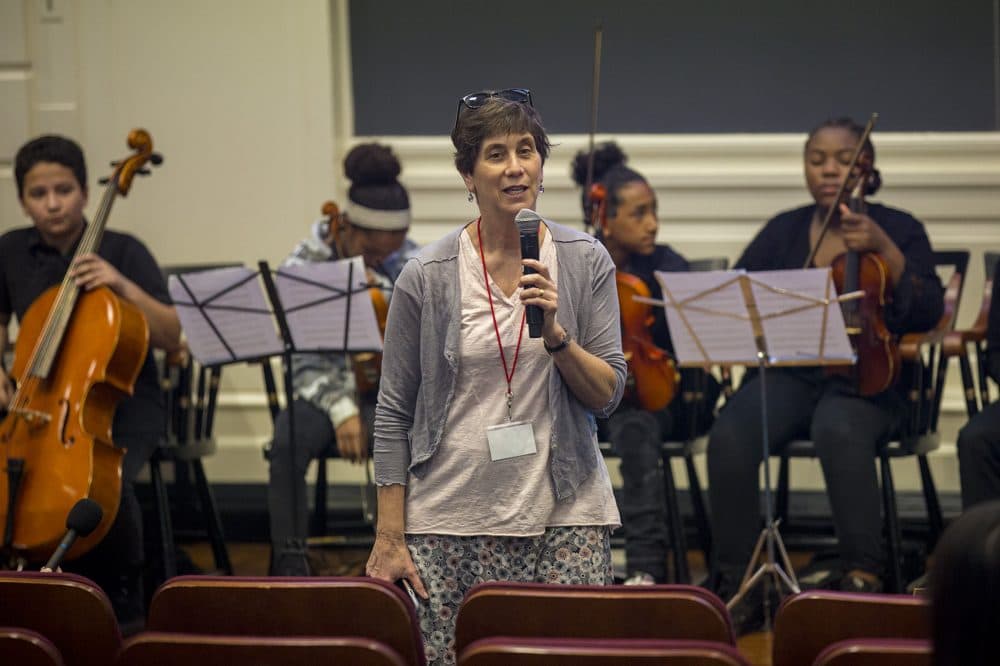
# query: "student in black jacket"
[[808, 403], [627, 225]]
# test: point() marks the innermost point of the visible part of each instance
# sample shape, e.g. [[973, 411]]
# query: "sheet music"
[[711, 325], [709, 321], [315, 297], [224, 315], [793, 329]]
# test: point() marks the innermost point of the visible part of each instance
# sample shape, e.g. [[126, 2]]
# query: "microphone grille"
[[84, 517], [527, 215]]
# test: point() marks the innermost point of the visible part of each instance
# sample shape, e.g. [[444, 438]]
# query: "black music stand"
[[229, 318], [765, 319]]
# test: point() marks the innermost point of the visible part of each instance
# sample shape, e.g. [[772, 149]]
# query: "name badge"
[[510, 440]]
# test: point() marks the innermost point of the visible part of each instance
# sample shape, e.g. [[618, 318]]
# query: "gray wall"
[[679, 66]]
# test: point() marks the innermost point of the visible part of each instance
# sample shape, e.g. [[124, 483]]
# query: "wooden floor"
[[251, 559]]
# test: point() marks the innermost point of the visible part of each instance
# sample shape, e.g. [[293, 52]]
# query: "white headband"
[[371, 218]]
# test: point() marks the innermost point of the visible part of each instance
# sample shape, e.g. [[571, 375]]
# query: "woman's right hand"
[[390, 560]]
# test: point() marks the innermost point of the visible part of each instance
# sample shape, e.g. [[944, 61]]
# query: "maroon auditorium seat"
[[69, 610], [503, 651], [809, 622], [592, 611], [276, 606], [154, 648]]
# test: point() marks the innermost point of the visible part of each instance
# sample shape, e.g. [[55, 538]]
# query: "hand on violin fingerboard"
[[861, 233]]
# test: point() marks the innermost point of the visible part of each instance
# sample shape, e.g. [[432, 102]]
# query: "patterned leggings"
[[450, 565]]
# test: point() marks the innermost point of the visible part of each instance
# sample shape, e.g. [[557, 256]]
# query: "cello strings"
[[57, 319]]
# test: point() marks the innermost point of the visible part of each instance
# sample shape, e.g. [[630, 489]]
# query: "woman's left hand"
[[91, 271], [538, 289], [861, 233]]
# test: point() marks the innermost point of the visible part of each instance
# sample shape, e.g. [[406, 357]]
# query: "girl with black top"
[[628, 226], [808, 403]]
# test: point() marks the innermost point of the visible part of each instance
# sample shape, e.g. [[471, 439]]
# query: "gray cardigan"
[[420, 360]]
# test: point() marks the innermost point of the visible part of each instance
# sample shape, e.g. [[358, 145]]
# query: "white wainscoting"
[[715, 192]]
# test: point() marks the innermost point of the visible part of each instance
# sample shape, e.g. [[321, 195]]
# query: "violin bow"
[[595, 91], [843, 187]]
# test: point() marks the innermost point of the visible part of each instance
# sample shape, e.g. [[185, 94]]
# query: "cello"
[[878, 357], [77, 355]]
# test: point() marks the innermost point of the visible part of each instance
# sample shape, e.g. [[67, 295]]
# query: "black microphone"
[[83, 519], [527, 222]]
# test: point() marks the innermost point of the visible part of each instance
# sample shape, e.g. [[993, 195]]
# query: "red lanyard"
[[496, 327]]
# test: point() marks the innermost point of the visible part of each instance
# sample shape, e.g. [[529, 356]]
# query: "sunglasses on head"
[[478, 99]]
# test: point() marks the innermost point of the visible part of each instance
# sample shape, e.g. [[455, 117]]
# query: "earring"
[[470, 196], [541, 187]]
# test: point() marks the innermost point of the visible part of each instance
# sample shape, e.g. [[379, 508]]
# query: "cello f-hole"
[[64, 409]]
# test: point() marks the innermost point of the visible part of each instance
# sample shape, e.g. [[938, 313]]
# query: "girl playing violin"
[[627, 225], [808, 403]]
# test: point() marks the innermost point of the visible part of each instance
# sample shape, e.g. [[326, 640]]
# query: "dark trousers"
[[636, 436], [116, 563], [286, 490], [847, 430], [979, 456]]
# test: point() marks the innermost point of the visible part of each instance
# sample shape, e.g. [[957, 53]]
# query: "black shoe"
[[290, 560], [855, 583], [748, 613]]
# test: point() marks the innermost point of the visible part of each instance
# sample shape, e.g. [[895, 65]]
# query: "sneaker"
[[640, 578], [855, 583]]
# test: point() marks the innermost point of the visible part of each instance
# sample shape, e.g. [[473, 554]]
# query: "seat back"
[[25, 647], [69, 610], [168, 649], [591, 611], [709, 264], [502, 651], [247, 606], [924, 364], [809, 622], [877, 652], [969, 345]]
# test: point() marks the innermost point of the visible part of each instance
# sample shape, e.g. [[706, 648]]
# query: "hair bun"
[[372, 164], [607, 156]]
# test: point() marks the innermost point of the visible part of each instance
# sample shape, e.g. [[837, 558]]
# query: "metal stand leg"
[[770, 569]]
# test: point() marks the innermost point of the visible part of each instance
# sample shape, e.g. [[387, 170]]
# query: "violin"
[[652, 376], [367, 366], [877, 350], [78, 353]]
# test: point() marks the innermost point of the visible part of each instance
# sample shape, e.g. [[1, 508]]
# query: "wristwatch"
[[559, 347]]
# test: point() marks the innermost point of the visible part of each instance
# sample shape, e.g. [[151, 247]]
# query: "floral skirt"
[[450, 565]]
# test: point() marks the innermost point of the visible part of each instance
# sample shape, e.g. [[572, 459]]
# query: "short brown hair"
[[497, 116]]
